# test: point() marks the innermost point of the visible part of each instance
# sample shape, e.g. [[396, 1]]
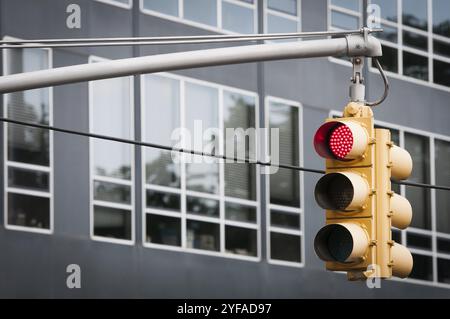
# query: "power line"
[[193, 152]]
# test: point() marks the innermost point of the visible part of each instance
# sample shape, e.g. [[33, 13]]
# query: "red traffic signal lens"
[[341, 141]]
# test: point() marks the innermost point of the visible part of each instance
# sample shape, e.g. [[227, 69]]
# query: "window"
[[28, 161], [416, 37], [111, 163], [127, 4], [208, 207], [428, 236], [235, 16], [284, 203], [282, 16]]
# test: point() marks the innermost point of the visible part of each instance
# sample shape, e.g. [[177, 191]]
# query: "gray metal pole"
[[352, 45]]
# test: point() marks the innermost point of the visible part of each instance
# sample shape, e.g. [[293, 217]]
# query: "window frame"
[[400, 47], [268, 206], [118, 4], [432, 233], [93, 177], [183, 215], [218, 28], [40, 168]]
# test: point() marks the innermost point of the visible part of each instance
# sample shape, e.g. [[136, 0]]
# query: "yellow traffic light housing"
[[356, 193]]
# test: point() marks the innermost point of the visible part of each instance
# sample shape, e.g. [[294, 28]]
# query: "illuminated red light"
[[341, 141]]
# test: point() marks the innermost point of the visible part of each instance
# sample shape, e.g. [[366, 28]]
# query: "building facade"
[[141, 225]]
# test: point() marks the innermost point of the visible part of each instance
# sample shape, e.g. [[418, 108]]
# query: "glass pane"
[[203, 206], [241, 213], [163, 230], [239, 116], [415, 40], [286, 6], [112, 116], [418, 241], [442, 156], [202, 235], [344, 21], [28, 211], [444, 270], [441, 72], [162, 109], [28, 144], [397, 236], [28, 179], [162, 200], [388, 34], [443, 245], [112, 222], [415, 13], [203, 177], [388, 9], [163, 6], [240, 241], [285, 247], [423, 267], [285, 184], [418, 147], [240, 180], [389, 60], [237, 18], [441, 48], [277, 24], [347, 4], [160, 169], [441, 17], [112, 192], [284, 219], [203, 11], [415, 66], [202, 112]]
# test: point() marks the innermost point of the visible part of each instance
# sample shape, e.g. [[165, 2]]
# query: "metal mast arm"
[[352, 45]]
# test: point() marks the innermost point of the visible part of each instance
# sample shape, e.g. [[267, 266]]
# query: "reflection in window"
[[286, 6], [415, 66], [347, 4], [237, 18], [203, 11], [28, 211], [442, 168], [27, 145], [418, 241], [418, 147], [389, 34], [282, 16], [443, 245], [112, 223], [441, 17], [388, 9], [389, 60], [285, 247], [203, 235], [28, 179], [444, 270], [164, 6], [441, 48], [415, 14], [415, 40], [163, 230], [422, 268], [344, 21], [239, 212], [111, 112], [163, 200], [240, 241], [441, 72], [284, 186], [202, 206]]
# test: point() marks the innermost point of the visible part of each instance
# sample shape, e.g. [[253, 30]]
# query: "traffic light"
[[356, 193]]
